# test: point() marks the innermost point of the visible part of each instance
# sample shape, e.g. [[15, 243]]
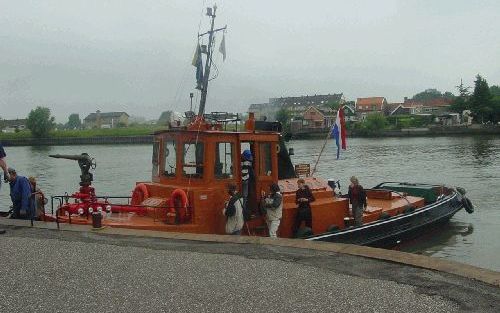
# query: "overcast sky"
[[77, 56]]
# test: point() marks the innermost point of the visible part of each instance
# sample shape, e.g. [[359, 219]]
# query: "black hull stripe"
[[391, 220]]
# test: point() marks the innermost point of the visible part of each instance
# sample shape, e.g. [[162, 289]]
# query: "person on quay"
[[357, 197], [38, 199], [3, 166], [20, 194], [234, 211], [303, 199], [273, 204], [247, 177]]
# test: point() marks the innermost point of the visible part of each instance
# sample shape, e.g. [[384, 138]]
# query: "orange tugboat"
[[193, 164]]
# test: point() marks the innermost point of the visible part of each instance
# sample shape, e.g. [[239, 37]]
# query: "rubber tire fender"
[[304, 232], [139, 194], [333, 228], [468, 206], [182, 212]]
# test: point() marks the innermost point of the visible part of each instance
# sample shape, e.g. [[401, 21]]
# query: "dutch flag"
[[339, 131]]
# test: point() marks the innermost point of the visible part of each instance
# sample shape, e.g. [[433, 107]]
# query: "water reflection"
[[468, 231], [471, 162], [482, 150]]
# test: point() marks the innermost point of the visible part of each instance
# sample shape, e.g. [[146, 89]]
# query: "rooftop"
[[93, 116]]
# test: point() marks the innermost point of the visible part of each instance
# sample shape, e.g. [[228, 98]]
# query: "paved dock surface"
[[51, 271]]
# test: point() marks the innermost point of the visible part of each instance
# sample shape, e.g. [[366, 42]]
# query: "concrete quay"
[[118, 270]]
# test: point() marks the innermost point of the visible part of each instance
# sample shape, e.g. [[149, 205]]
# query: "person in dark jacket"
[[20, 194], [234, 211], [303, 199], [357, 197]]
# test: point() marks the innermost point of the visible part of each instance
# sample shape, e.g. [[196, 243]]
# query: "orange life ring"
[[139, 194], [182, 211]]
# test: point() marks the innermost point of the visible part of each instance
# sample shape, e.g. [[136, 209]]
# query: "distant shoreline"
[[67, 141], [417, 132], [147, 139]]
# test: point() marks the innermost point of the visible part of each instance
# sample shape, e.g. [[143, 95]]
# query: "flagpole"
[[321, 152], [323, 147]]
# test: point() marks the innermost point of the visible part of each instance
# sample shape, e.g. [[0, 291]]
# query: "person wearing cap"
[[247, 175], [233, 211], [273, 204], [20, 194]]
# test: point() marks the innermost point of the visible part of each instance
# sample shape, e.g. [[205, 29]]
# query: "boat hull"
[[392, 231]]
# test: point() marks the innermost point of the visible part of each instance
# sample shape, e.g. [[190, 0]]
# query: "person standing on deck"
[[357, 197], [234, 211], [20, 194], [273, 204], [303, 199], [247, 177]]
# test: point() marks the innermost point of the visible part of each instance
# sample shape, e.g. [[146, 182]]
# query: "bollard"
[[96, 220]]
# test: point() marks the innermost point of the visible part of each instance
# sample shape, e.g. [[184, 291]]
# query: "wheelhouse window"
[[155, 158], [265, 159], [192, 163], [224, 160], [170, 153]]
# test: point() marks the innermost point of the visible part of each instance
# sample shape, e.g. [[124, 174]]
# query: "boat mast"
[[208, 62]]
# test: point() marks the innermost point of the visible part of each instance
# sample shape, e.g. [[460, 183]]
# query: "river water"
[[470, 162]]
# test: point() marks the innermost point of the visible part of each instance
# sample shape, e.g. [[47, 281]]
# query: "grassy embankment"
[[88, 133]]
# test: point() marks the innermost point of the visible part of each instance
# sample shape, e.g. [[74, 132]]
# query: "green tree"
[[463, 91], [496, 109], [481, 100], [333, 104], [428, 94], [448, 95], [461, 102], [74, 121], [40, 123], [283, 116], [375, 122], [432, 93], [495, 91]]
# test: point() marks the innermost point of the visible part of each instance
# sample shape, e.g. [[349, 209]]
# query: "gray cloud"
[[79, 56]]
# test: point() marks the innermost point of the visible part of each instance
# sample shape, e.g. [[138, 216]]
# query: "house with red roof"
[[372, 104], [365, 106], [432, 106]]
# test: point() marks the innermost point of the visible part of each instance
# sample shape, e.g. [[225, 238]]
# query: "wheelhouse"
[[213, 158]]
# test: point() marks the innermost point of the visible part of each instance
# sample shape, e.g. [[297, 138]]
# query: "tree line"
[[483, 102], [40, 122]]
